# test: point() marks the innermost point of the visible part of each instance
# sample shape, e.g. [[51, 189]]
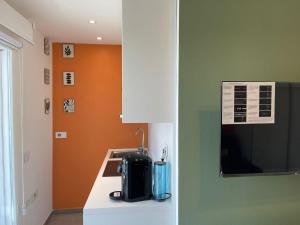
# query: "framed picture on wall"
[[68, 50], [69, 105], [46, 46], [47, 105], [46, 76], [69, 78]]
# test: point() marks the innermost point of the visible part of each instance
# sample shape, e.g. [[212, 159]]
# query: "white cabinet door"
[[149, 60]]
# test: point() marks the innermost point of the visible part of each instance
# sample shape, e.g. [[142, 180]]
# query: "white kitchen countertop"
[[99, 205]]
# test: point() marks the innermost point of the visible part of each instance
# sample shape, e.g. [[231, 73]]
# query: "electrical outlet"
[[27, 203], [23, 210], [33, 197], [61, 134]]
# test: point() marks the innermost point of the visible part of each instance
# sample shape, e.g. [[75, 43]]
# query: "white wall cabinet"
[[149, 60]]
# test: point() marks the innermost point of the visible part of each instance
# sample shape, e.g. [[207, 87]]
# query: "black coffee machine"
[[136, 175]]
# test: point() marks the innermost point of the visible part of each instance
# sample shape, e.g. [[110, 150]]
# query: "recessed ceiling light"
[[92, 21], [99, 38]]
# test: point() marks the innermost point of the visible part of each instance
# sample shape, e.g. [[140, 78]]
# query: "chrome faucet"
[[142, 147]]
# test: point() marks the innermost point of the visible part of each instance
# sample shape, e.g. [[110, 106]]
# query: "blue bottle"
[[160, 180], [161, 183]]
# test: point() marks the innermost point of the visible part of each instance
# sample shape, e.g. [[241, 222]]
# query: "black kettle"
[[136, 178]]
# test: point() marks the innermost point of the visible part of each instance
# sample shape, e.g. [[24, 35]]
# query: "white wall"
[[159, 136], [33, 131], [37, 132]]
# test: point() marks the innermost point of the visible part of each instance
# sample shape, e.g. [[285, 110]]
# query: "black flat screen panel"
[[265, 148]]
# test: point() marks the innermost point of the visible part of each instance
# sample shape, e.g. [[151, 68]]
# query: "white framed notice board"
[[248, 102]]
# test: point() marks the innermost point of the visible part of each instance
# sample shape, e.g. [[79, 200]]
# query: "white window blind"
[[7, 182]]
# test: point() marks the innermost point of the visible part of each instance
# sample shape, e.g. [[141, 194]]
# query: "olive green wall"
[[231, 40]]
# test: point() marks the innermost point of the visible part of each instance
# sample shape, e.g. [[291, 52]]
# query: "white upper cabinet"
[[149, 60]]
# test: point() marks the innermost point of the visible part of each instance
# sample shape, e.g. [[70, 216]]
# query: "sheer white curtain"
[[7, 183]]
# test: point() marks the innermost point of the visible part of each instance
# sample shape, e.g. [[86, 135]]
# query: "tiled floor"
[[66, 219]]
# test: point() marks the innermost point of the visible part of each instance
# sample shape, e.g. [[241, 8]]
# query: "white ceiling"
[[68, 20]]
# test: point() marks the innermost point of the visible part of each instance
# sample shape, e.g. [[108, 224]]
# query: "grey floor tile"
[[66, 219]]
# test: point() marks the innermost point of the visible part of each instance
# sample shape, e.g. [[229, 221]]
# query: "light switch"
[[26, 156], [61, 134]]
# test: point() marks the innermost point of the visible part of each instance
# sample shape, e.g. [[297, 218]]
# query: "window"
[[7, 182]]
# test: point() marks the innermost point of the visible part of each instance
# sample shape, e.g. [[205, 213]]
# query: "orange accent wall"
[[94, 127]]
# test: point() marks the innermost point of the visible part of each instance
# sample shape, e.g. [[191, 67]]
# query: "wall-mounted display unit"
[[260, 128]]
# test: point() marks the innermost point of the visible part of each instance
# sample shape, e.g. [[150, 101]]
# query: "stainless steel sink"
[[120, 154], [111, 168]]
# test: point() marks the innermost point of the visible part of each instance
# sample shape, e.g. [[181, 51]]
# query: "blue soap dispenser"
[[161, 181]]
